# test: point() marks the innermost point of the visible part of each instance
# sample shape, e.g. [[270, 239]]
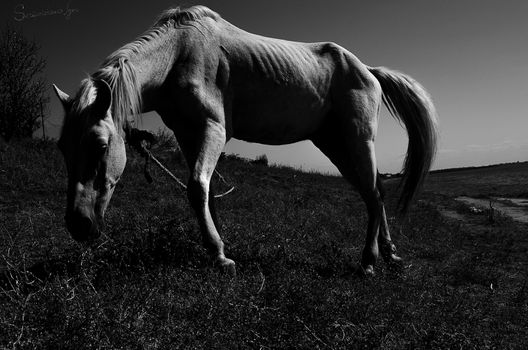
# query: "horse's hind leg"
[[354, 157], [386, 247], [366, 185], [202, 148]]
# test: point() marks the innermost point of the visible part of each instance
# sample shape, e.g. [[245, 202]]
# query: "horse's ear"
[[63, 97], [103, 100]]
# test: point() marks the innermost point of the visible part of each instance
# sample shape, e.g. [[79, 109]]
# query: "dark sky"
[[472, 56]]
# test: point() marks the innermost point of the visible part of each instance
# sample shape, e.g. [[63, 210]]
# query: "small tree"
[[22, 87]]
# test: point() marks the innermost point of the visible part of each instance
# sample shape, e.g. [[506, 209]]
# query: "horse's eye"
[[101, 148]]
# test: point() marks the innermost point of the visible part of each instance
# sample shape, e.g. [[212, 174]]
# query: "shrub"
[[262, 159]]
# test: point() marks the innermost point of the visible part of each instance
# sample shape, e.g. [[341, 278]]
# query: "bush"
[[262, 159]]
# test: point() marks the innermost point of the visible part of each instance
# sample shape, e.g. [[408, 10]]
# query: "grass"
[[296, 238]]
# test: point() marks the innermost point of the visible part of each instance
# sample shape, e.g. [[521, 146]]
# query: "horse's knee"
[[374, 204], [197, 189]]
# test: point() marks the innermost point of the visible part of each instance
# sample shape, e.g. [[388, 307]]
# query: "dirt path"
[[516, 208]]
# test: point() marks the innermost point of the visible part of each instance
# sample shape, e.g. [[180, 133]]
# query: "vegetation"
[[22, 87], [295, 237], [262, 159]]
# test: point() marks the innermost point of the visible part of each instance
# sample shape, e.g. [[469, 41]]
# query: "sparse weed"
[[296, 237]]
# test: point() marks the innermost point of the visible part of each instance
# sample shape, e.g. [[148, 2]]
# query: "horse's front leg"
[[202, 150]]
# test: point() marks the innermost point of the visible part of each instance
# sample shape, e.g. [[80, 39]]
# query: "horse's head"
[[94, 152]]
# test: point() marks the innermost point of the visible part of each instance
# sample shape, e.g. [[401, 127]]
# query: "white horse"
[[211, 81]]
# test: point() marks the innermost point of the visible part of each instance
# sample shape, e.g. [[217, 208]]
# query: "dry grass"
[[295, 237]]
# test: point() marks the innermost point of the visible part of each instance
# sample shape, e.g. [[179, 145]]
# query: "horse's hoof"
[[367, 270], [226, 266], [388, 252], [394, 262]]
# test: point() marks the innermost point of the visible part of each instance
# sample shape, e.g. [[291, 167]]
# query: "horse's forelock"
[[85, 95]]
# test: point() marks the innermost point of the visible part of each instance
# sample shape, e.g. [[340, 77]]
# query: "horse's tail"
[[408, 102]]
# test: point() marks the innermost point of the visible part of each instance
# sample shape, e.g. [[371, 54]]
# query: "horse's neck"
[[153, 64]]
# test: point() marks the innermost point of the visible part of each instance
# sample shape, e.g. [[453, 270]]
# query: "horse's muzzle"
[[81, 227]]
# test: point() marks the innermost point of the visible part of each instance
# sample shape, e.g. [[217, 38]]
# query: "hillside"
[[296, 238]]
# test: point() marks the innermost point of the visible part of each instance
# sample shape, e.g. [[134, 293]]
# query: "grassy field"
[[296, 238]]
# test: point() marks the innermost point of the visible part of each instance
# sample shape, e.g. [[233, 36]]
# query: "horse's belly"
[[277, 120]]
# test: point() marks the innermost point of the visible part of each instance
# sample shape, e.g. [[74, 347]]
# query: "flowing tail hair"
[[409, 103]]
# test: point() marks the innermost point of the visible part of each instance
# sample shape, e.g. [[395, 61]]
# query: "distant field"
[[296, 238], [500, 180]]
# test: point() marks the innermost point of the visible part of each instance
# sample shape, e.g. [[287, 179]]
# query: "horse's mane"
[[182, 17], [117, 71]]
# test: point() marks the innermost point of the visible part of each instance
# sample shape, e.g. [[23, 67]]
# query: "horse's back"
[[281, 90], [283, 62]]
